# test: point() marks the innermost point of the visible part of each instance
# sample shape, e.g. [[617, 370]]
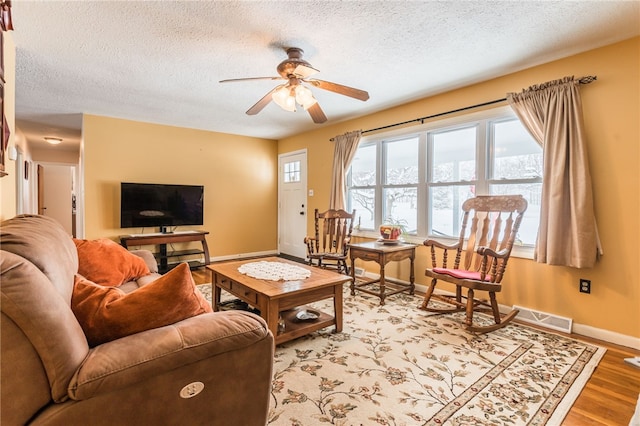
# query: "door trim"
[[280, 189]]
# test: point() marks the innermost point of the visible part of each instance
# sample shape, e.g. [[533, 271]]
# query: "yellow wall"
[[8, 183], [239, 175], [611, 113]]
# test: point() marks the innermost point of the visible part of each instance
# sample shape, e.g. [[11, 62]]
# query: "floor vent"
[[544, 319]]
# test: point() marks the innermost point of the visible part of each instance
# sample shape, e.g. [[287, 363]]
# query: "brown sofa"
[[50, 375]]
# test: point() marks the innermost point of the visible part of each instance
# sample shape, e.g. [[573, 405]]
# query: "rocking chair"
[[494, 225], [330, 248]]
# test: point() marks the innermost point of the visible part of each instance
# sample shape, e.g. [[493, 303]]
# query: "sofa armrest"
[[148, 258], [132, 359]]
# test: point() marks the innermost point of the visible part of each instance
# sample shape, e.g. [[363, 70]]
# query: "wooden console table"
[[161, 240], [382, 254]]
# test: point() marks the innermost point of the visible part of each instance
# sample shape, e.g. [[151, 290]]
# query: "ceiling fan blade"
[[250, 78], [304, 71], [316, 113], [339, 88], [259, 106]]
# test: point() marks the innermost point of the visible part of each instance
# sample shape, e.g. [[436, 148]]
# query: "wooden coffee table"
[[282, 298]]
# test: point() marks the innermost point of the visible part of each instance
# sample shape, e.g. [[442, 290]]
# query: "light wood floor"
[[609, 397]]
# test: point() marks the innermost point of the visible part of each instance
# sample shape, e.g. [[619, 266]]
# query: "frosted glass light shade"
[[304, 97], [53, 141], [282, 97]]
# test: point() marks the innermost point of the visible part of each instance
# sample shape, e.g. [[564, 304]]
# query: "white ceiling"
[[160, 61]]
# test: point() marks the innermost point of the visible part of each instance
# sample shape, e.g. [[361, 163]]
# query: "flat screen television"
[[160, 205]]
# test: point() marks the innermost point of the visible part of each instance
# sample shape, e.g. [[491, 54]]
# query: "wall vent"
[[359, 272], [544, 319]]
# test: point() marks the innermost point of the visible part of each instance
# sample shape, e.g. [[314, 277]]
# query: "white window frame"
[[484, 162]]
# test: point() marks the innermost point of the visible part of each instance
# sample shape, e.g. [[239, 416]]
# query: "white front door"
[[292, 203]]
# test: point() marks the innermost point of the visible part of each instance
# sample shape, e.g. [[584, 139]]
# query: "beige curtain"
[[343, 152], [552, 112]]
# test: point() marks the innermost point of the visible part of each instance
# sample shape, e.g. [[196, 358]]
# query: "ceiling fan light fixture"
[[287, 95], [53, 141], [305, 97], [282, 97]]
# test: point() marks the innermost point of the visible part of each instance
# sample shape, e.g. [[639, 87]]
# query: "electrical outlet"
[[585, 286]]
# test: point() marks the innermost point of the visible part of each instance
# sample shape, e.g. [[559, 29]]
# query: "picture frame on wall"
[[4, 138], [4, 128]]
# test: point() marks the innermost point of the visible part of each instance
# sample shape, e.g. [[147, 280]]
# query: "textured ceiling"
[[160, 61]]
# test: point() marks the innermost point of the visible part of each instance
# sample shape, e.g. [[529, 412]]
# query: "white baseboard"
[[607, 336]]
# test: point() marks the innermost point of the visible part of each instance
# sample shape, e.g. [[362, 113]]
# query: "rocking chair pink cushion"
[[462, 274]]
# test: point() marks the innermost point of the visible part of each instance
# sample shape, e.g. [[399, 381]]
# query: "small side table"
[[382, 254]]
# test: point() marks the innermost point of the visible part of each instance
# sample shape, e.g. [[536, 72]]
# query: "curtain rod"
[[421, 119], [581, 80]]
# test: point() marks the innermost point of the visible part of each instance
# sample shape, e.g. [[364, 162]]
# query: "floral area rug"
[[398, 365]]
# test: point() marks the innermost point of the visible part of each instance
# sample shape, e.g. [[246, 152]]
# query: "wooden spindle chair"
[[480, 264], [329, 247]]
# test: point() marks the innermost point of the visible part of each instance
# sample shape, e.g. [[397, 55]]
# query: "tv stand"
[[161, 240]]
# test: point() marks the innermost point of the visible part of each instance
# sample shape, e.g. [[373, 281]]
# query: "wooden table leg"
[[272, 315], [337, 306], [382, 288], [353, 276], [217, 292], [412, 277]]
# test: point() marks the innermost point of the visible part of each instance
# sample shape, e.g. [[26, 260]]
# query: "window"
[[292, 172], [421, 178]]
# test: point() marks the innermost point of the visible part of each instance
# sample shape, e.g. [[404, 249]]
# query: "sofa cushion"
[[115, 365], [107, 313], [44, 242], [29, 299], [105, 262]]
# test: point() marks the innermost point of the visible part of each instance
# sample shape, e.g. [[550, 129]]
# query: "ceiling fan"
[[295, 91]]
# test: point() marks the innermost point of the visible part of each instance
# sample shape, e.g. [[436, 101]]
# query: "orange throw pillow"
[[108, 313], [107, 263]]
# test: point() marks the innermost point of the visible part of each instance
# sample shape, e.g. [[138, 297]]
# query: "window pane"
[[516, 153], [363, 200], [363, 167], [401, 161], [401, 208], [446, 209], [292, 171], [531, 192], [454, 155]]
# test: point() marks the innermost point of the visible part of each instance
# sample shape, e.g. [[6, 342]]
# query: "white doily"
[[274, 271]]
